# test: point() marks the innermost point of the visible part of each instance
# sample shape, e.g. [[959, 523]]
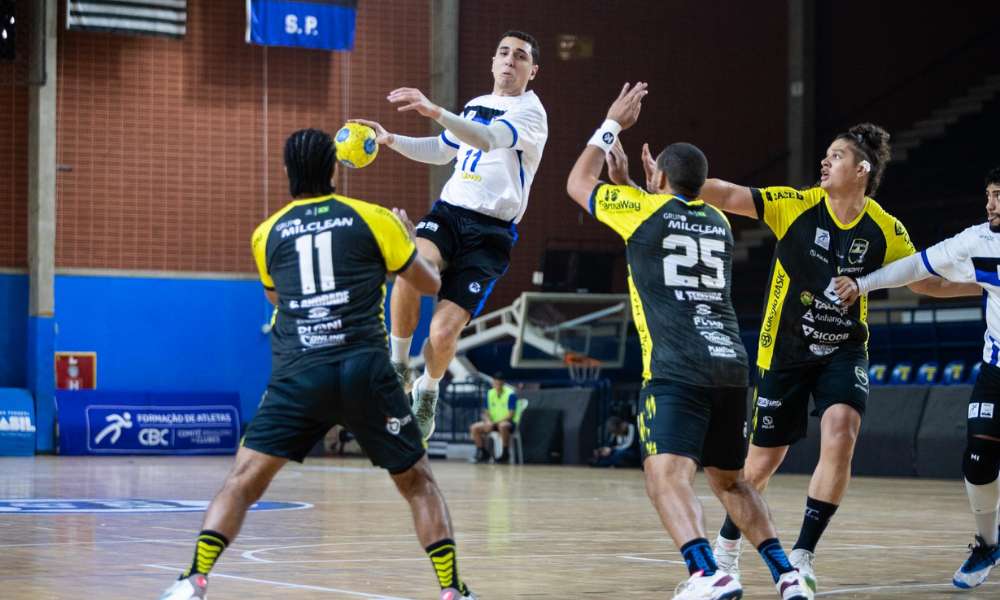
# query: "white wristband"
[[604, 137]]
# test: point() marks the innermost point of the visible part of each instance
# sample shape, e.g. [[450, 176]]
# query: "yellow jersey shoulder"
[[393, 239], [624, 208], [897, 239]]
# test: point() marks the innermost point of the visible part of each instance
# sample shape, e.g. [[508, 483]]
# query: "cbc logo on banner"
[[153, 437]]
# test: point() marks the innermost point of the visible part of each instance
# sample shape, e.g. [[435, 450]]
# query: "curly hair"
[[872, 144]]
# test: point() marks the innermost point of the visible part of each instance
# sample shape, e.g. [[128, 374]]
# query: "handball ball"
[[356, 145]]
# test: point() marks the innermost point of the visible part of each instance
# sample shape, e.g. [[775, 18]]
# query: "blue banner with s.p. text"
[[321, 24]]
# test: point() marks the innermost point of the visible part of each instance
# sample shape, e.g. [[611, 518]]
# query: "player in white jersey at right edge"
[[469, 233], [972, 256]]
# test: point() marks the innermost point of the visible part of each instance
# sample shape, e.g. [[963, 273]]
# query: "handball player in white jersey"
[[971, 257], [496, 142]]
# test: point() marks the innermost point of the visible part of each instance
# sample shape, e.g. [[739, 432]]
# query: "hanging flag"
[[322, 24], [165, 18]]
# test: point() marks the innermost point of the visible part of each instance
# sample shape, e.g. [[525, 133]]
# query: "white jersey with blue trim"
[[973, 256], [497, 183]]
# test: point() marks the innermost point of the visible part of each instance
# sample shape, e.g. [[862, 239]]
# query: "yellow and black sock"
[[209, 548], [445, 563]]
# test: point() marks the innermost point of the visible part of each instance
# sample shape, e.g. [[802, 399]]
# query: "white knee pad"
[[984, 498]]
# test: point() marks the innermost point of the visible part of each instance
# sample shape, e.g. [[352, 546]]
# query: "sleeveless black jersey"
[[680, 258], [328, 258], [803, 320]]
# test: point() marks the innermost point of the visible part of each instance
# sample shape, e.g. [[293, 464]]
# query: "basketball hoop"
[[582, 368]]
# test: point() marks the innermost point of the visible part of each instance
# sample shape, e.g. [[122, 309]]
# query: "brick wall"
[[166, 138]]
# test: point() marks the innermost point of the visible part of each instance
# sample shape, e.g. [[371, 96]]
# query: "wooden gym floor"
[[522, 532]]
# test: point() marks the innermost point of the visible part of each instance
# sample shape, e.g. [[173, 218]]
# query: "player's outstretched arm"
[[938, 287], [911, 272], [729, 197], [586, 173], [585, 176], [479, 136], [423, 276], [431, 150]]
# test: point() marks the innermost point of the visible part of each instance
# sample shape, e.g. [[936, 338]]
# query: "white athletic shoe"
[[454, 594], [978, 566], [791, 587], [727, 555], [802, 561], [424, 407], [194, 587], [712, 587]]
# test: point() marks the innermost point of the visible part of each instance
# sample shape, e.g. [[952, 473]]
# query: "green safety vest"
[[499, 406]]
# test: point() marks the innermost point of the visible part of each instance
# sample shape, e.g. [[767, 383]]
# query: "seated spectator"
[[498, 415], [621, 449]]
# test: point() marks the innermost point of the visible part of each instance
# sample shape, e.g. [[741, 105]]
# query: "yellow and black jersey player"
[[809, 343], [323, 260], [693, 400]]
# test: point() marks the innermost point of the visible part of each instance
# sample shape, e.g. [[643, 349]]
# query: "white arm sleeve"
[[902, 272], [432, 150], [481, 137], [951, 259]]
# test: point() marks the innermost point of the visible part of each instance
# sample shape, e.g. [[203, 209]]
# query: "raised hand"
[[847, 289], [618, 165], [415, 100], [625, 110], [381, 135], [649, 166], [407, 223]]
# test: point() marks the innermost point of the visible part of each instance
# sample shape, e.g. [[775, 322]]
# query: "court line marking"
[[337, 469], [465, 557], [895, 587], [467, 537], [288, 585], [250, 555], [659, 560]]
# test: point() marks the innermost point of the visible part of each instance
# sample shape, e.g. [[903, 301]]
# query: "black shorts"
[[706, 424], [781, 396], [360, 392], [984, 404], [476, 251]]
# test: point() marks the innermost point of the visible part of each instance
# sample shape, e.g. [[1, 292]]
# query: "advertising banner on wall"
[[320, 24], [140, 423], [17, 422]]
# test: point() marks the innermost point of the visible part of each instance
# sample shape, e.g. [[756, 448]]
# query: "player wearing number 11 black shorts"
[[323, 260]]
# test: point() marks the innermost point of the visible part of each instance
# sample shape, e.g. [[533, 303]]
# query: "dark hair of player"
[[686, 168], [524, 37], [872, 143], [309, 158], [993, 177], [498, 375]]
